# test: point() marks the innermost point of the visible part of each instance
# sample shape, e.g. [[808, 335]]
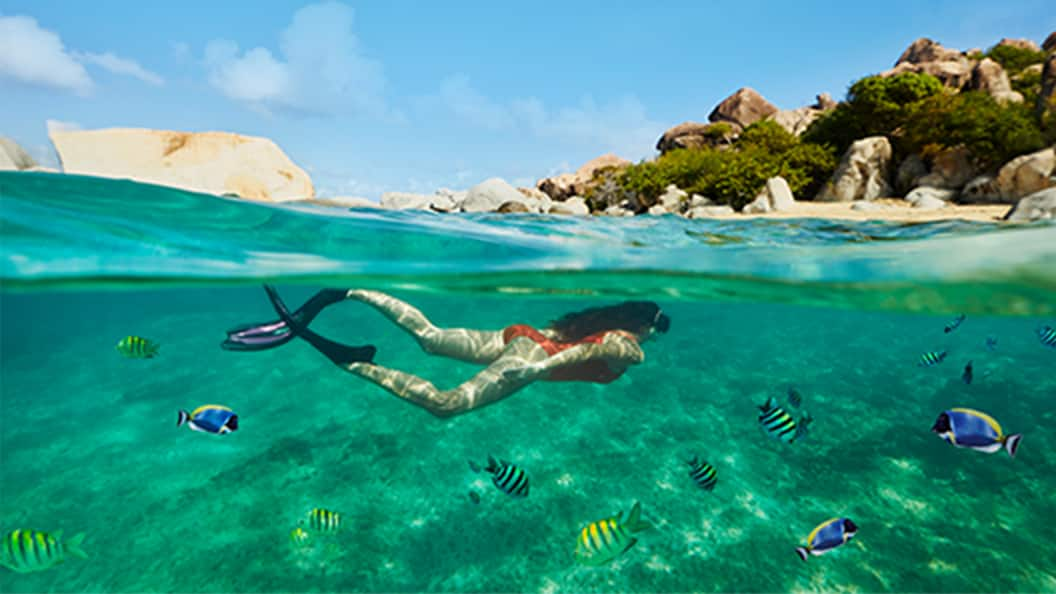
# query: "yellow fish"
[[299, 537], [602, 541], [32, 550], [324, 520], [137, 347]]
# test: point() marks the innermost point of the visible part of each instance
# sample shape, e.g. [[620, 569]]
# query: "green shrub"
[[875, 105], [768, 135], [993, 132], [1028, 84], [1014, 59]]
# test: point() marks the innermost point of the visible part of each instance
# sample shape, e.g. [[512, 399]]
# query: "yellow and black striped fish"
[[137, 347], [324, 520], [1047, 336], [931, 358], [702, 473], [32, 550], [511, 480], [299, 537], [602, 541], [779, 424]]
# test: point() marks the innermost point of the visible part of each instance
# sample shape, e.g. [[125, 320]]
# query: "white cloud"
[[620, 126], [318, 69], [118, 65], [37, 56], [61, 126]]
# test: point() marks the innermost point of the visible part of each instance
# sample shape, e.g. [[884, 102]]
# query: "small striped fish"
[[954, 324], [324, 520], [511, 480], [794, 397], [602, 541], [32, 550], [931, 358], [702, 473], [299, 537], [136, 347], [779, 424], [1047, 336]]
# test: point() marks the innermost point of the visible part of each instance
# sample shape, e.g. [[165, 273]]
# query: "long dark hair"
[[636, 317]]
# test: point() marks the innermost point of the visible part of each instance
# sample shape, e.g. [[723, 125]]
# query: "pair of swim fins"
[[262, 336]]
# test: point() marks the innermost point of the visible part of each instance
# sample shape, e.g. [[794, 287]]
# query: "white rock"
[[214, 162], [929, 193], [862, 173], [13, 157], [572, 206], [617, 211], [490, 194], [1037, 206], [344, 202], [673, 199], [405, 201], [697, 200], [929, 203], [705, 212], [760, 205], [1027, 174], [980, 189], [866, 206], [779, 194], [658, 209]]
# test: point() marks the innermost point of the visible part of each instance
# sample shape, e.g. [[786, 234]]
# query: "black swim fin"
[[340, 354], [262, 336]]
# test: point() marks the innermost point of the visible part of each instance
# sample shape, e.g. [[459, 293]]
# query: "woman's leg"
[[473, 346], [488, 386]]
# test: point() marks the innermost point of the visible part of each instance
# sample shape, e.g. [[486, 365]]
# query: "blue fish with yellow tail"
[[779, 424], [602, 541], [24, 551], [827, 536], [967, 428], [211, 418]]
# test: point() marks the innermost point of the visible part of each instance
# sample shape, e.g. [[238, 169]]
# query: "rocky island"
[[942, 134]]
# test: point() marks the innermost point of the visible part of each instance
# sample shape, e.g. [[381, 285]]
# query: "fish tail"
[[634, 521], [474, 466], [493, 464], [803, 553], [182, 417], [1012, 443], [73, 546]]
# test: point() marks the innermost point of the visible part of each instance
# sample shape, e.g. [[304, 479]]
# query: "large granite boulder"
[[1026, 175], [950, 168], [406, 201], [929, 197], [707, 212], [565, 185], [698, 135], [796, 121], [990, 77], [1049, 45], [775, 196], [929, 57], [1023, 44], [744, 108], [212, 162], [343, 202], [862, 174], [575, 206], [1037, 206], [981, 189], [14, 157], [673, 199], [490, 194], [909, 173]]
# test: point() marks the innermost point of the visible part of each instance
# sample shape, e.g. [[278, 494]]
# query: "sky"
[[413, 96]]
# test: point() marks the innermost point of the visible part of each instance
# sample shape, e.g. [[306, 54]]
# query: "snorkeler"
[[594, 345]]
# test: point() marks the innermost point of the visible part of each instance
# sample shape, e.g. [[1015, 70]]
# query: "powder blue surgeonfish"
[[967, 428], [827, 536], [211, 418]]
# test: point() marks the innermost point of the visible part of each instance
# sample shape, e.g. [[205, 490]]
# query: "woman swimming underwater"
[[592, 345]]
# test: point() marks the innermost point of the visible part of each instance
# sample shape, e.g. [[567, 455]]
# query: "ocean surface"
[[841, 311]]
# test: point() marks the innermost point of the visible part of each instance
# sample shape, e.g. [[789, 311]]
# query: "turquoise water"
[[840, 310]]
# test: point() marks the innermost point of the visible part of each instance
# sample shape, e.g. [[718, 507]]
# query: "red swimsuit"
[[589, 371]]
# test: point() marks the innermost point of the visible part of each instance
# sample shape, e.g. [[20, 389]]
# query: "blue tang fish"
[[827, 536], [967, 428], [211, 418]]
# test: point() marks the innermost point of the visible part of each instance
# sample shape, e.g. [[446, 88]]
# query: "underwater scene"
[[516, 403]]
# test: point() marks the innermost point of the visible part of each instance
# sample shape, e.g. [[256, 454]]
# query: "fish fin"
[[182, 417], [57, 535], [474, 466], [803, 553], [1012, 443], [630, 543], [493, 464], [634, 521], [73, 546]]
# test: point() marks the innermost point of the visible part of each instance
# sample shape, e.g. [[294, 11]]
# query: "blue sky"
[[413, 96]]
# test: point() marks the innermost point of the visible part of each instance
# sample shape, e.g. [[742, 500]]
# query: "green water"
[[88, 441]]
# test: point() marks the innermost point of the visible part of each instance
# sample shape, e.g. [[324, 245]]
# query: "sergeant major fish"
[[827, 536], [324, 520], [32, 550], [299, 537], [954, 324], [931, 358], [967, 375], [779, 424], [602, 541], [702, 473], [967, 428], [211, 418], [1047, 336], [511, 480], [136, 347]]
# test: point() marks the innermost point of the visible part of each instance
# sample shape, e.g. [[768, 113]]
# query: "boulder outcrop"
[[490, 194], [774, 197], [862, 174], [565, 185], [13, 157], [698, 135], [929, 57], [1037, 206], [1026, 175], [212, 162], [744, 108], [990, 77], [1047, 96]]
